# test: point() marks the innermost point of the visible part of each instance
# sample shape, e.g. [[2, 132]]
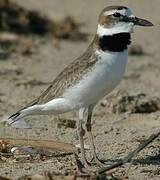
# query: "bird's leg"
[[90, 136], [81, 132]]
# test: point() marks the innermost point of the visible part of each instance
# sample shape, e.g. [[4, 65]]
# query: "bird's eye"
[[116, 14]]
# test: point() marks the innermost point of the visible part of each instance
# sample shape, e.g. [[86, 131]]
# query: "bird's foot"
[[85, 167], [97, 161], [88, 167]]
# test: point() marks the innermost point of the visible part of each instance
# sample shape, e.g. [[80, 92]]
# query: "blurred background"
[[39, 38]]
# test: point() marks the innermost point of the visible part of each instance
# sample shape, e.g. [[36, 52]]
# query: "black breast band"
[[115, 43]]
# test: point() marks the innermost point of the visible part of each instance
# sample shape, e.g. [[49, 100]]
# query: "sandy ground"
[[115, 134]]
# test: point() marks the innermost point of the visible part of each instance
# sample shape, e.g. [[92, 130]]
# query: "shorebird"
[[91, 76]]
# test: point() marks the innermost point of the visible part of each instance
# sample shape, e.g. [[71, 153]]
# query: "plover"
[[89, 77]]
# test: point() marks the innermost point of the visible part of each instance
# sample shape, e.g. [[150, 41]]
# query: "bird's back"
[[70, 76]]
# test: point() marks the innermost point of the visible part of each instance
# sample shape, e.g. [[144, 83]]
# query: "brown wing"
[[68, 77]]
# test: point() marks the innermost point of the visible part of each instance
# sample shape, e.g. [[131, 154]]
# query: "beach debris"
[[47, 176], [16, 19], [4, 178], [31, 82], [21, 30], [101, 173], [136, 50], [11, 43], [23, 150], [3, 146], [11, 70], [67, 123], [48, 144], [68, 28], [138, 103], [30, 150], [86, 146]]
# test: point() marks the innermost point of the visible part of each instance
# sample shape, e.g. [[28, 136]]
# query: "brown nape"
[[105, 20]]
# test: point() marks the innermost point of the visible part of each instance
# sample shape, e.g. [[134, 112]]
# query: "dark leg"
[[90, 136], [81, 132]]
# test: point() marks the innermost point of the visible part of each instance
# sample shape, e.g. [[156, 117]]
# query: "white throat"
[[121, 27]]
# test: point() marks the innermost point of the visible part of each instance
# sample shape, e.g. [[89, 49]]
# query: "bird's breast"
[[100, 80]]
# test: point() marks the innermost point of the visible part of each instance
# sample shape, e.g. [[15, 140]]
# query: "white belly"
[[104, 77]]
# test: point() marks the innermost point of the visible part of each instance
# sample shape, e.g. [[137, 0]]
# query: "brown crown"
[[107, 20]]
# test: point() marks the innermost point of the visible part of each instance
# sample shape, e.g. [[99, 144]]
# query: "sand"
[[115, 134]]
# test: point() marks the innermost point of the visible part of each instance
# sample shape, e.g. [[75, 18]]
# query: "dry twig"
[[131, 155], [50, 144]]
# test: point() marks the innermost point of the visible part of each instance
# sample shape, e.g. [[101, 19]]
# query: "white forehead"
[[125, 12]]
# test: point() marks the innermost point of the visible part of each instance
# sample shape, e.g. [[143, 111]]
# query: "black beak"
[[141, 22], [136, 21]]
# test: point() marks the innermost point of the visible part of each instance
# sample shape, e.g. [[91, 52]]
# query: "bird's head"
[[118, 19]]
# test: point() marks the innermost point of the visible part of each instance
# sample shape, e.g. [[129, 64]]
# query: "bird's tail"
[[16, 121]]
